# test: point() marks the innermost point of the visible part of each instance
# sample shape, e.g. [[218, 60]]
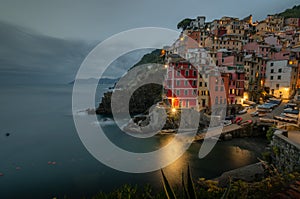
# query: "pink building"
[[225, 58], [258, 49], [181, 84], [234, 78], [282, 55]]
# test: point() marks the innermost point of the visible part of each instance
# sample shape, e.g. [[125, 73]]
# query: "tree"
[[184, 23]]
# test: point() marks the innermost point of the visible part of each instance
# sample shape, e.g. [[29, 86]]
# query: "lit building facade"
[[281, 78]]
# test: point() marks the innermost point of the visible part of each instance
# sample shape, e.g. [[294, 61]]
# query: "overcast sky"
[[99, 19]]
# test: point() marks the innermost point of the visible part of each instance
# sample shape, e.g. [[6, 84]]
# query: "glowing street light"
[[174, 110]]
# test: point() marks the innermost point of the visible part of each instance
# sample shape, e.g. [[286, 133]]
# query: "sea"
[[42, 156]]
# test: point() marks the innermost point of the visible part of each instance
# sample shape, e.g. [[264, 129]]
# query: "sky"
[[100, 19]]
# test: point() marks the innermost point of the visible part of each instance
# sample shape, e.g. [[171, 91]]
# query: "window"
[[205, 84], [279, 70], [271, 64], [194, 92], [272, 70], [222, 88], [279, 77], [186, 73], [216, 100], [195, 73], [178, 83], [271, 77], [194, 82], [216, 88], [186, 82], [185, 92], [277, 86], [178, 73], [200, 84], [177, 92]]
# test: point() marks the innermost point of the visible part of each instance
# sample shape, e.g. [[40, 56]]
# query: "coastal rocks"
[[141, 100], [140, 80], [246, 131], [104, 107], [250, 173], [90, 111], [228, 137]]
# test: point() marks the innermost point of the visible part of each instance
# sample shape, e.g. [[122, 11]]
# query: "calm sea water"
[[41, 129]]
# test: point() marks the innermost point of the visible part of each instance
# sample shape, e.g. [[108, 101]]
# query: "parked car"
[[243, 111]]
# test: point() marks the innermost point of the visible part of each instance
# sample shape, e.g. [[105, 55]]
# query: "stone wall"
[[285, 153]]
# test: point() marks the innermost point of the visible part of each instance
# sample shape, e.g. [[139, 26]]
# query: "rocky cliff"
[[144, 96]]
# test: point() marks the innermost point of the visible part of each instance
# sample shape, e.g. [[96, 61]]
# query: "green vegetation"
[[270, 133], [153, 57], [184, 23], [189, 191], [272, 184], [291, 13]]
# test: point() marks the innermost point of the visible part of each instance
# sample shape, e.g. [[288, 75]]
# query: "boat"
[[249, 102], [275, 101], [285, 119], [267, 120], [294, 116], [291, 111], [245, 123], [238, 120]]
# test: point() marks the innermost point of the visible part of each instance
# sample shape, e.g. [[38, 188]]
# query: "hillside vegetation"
[[291, 13]]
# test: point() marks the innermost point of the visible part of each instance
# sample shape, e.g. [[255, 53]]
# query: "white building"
[[281, 78]]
